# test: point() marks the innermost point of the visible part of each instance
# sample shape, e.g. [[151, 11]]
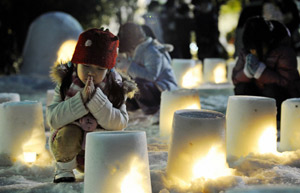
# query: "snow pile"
[[263, 170]]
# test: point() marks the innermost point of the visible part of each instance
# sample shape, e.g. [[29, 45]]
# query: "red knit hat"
[[96, 46]]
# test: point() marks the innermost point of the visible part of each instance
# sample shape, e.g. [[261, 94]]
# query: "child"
[[149, 64], [89, 96]]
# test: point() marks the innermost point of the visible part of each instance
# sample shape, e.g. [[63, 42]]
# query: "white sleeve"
[[107, 116]]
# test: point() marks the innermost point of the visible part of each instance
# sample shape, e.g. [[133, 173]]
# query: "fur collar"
[[59, 71]]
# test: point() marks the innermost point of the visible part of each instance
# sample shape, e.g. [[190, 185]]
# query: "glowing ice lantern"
[[298, 63], [172, 101], [117, 162], [29, 157], [22, 132], [214, 70], [65, 52], [197, 148], [188, 72], [250, 126], [7, 97], [290, 125]]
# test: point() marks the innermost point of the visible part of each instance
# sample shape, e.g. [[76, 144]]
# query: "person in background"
[[267, 65], [148, 63], [284, 11], [90, 96]]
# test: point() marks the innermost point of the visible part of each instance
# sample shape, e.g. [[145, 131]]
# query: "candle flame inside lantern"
[[133, 181], [267, 141], [220, 74], [192, 78], [212, 166], [29, 157], [65, 51]]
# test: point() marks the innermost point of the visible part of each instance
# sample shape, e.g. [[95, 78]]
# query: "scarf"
[[88, 123]]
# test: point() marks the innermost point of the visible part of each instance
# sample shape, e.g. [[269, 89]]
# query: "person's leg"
[[246, 89], [65, 145], [149, 96], [278, 93]]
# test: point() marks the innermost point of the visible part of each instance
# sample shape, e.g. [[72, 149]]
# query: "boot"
[[64, 171]]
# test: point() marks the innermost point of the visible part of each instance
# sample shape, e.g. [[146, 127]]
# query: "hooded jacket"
[[62, 112], [152, 62]]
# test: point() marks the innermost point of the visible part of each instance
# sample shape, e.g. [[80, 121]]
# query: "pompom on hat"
[[96, 46]]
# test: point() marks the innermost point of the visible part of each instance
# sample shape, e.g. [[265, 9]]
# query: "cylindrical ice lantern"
[[250, 126], [290, 125], [117, 162], [214, 70], [197, 148], [172, 101], [188, 72], [298, 63], [22, 129], [7, 97]]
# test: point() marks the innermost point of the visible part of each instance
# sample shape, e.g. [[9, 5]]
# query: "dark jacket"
[[281, 63]]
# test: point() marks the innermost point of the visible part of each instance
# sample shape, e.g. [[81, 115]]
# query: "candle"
[[290, 125], [117, 162], [172, 101], [250, 126]]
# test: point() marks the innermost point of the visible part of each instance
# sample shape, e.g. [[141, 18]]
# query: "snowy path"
[[270, 170]]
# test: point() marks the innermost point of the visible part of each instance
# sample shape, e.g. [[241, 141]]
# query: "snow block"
[[290, 125], [21, 129], [45, 36], [214, 70], [188, 72], [172, 101], [195, 133], [250, 126], [117, 161], [7, 97]]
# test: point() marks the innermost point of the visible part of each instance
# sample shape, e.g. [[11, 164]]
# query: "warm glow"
[[212, 166], [267, 141], [65, 51], [133, 181], [220, 73], [193, 106], [192, 78], [29, 157]]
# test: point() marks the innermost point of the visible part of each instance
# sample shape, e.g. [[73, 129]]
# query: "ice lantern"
[[22, 132], [214, 70], [290, 125], [197, 148], [188, 72], [117, 162], [172, 101], [7, 97], [250, 126]]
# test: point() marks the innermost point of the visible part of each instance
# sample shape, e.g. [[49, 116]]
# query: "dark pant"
[[148, 98]]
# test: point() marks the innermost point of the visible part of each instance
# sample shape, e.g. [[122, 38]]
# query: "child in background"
[[148, 62], [90, 96]]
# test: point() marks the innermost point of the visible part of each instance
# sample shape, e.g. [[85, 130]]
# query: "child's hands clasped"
[[88, 89]]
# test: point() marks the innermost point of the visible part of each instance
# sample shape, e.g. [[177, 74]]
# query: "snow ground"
[[271, 171]]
